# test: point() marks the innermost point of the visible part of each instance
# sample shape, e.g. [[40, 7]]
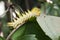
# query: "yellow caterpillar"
[[24, 17]]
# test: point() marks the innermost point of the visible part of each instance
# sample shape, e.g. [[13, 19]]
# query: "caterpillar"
[[24, 17]]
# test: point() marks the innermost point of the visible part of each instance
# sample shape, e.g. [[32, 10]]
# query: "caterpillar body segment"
[[14, 20], [24, 17]]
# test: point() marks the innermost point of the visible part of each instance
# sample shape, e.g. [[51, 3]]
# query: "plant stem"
[[8, 37]]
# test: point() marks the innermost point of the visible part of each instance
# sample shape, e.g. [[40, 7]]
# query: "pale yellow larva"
[[34, 12]]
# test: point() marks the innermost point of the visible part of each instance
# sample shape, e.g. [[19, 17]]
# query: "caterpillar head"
[[36, 11]]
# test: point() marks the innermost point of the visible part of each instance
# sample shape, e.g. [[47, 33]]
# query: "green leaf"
[[1, 38], [34, 28], [27, 37], [31, 27], [18, 33]]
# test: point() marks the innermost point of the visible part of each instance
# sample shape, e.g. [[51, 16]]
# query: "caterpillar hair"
[[24, 17]]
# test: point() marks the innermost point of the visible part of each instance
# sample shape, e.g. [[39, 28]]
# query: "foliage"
[[31, 30], [52, 8], [1, 38]]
